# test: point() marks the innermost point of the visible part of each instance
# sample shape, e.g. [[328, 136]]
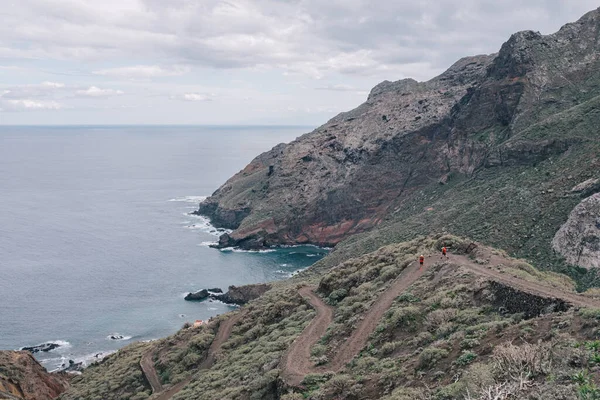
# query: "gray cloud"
[[94, 91], [312, 37], [143, 71]]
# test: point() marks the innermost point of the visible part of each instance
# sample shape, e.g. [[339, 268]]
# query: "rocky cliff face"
[[22, 377], [579, 238], [483, 117]]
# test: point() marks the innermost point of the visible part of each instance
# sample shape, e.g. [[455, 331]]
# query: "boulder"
[[45, 347], [240, 295], [196, 296], [578, 240]]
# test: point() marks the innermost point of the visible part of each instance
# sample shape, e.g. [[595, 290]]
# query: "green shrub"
[[430, 356], [406, 317], [408, 297], [469, 343], [454, 391], [336, 296], [466, 358], [590, 313]]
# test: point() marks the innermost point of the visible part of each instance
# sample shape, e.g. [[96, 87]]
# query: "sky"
[[247, 62]]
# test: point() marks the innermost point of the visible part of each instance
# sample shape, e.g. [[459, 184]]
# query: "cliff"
[[494, 141], [579, 238], [22, 377]]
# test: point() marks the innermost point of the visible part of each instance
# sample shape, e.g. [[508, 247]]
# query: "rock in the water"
[[242, 294], [196, 296], [116, 337], [215, 290], [45, 347], [73, 367], [578, 240]]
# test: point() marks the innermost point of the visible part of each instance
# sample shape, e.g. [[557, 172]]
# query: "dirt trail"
[[352, 346], [521, 284], [223, 334], [149, 371], [296, 361]]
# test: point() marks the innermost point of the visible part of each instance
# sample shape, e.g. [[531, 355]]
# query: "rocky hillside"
[[380, 327], [579, 238], [490, 149], [23, 378]]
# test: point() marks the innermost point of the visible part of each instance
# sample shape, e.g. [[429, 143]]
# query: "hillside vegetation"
[[452, 334]]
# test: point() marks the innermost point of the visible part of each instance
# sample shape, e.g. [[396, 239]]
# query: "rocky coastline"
[[236, 295]]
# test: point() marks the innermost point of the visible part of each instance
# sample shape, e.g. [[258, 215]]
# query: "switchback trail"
[[352, 346], [296, 362], [223, 334]]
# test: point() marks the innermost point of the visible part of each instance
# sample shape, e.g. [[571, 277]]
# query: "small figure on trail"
[[444, 250], [421, 260]]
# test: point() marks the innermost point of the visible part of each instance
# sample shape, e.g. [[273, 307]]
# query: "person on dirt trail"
[[421, 260], [444, 251]]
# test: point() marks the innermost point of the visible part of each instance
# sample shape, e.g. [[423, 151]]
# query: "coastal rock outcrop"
[[22, 377], [488, 122], [44, 347], [237, 295], [578, 240], [240, 295], [197, 296]]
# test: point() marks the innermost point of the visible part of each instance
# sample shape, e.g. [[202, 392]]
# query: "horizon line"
[[150, 125]]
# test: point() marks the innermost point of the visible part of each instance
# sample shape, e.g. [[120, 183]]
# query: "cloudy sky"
[[237, 61]]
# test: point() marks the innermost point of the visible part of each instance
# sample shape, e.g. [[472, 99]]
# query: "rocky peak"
[[364, 166], [403, 85], [515, 57]]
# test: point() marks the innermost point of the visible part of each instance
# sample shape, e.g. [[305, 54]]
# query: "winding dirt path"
[[354, 344], [296, 362], [147, 365], [223, 334]]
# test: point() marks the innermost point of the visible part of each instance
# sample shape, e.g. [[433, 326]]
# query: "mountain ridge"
[[363, 168]]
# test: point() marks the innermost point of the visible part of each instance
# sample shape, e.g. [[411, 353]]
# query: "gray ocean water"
[[96, 240]]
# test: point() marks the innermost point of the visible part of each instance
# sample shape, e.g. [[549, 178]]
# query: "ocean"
[[96, 239]]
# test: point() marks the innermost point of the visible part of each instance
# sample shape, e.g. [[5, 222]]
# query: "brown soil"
[[352, 346], [521, 284], [296, 362], [150, 372], [223, 334]]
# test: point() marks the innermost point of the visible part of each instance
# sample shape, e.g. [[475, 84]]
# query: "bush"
[[404, 393], [339, 385], [469, 343], [292, 396], [336, 296], [408, 297], [453, 391], [430, 356], [477, 377], [466, 358], [590, 313], [406, 317], [512, 361], [437, 318]]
